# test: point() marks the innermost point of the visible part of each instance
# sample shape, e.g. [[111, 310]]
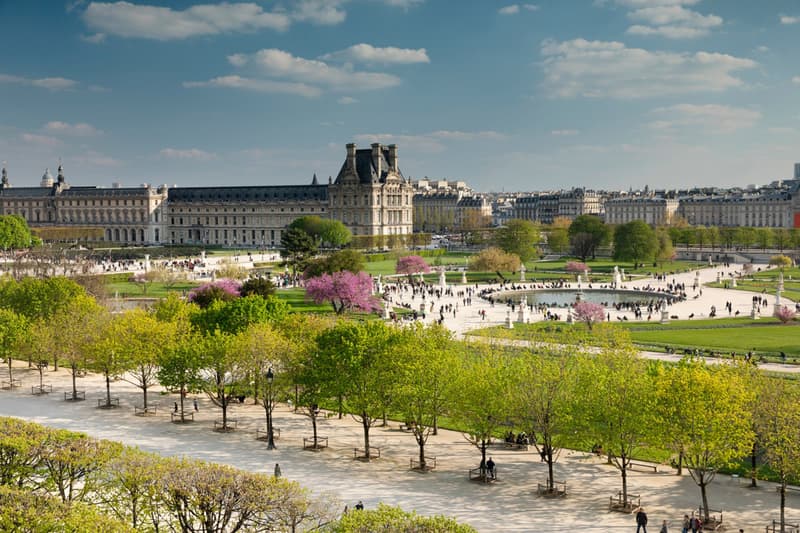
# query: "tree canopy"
[[635, 241], [518, 237]]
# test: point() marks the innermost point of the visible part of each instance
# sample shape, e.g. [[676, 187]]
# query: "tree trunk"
[[108, 390], [314, 427], [10, 377], [421, 443], [435, 424], [341, 408], [624, 480], [753, 464], [224, 405], [74, 382], [680, 462], [484, 443], [144, 391], [704, 496], [783, 505], [182, 393], [549, 459], [365, 423]]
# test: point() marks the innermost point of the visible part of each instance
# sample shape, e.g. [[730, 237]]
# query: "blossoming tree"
[[345, 291]]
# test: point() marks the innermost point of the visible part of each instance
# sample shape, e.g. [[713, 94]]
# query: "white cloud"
[[95, 38], [428, 142], [321, 12], [401, 3], [347, 100], [564, 133], [125, 19], [785, 19], [80, 129], [796, 80], [53, 84], [281, 64], [366, 53], [95, 159], [189, 153], [263, 86], [669, 18], [610, 69], [763, 49], [711, 118], [41, 140], [513, 9]]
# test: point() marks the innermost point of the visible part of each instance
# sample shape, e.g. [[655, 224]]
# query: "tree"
[[222, 290], [780, 261], [297, 248], [39, 298], [130, 482], [20, 451], [481, 405], [13, 332], [104, 351], [220, 371], [764, 237], [356, 360], [411, 264], [260, 286], [14, 232], [664, 250], [586, 234], [518, 237], [425, 361], [745, 237], [779, 428], [227, 269], [344, 290], [334, 234], [558, 235], [785, 314], [576, 267], [235, 316], [589, 313], [386, 518], [782, 238], [634, 241], [494, 260], [350, 260], [181, 363]]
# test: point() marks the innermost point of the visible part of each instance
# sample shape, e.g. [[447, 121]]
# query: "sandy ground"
[[510, 504]]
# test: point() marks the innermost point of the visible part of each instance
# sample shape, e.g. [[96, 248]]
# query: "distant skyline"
[[513, 96]]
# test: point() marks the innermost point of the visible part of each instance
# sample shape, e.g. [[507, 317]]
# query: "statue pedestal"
[[664, 316], [509, 322]]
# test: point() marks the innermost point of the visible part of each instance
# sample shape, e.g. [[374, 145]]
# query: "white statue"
[[442, 280], [522, 272]]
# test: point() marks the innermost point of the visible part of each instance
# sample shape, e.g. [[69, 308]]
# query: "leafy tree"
[[589, 313], [700, 236], [130, 483], [104, 352], [39, 298], [494, 260], [764, 237], [20, 451], [350, 260], [713, 234], [356, 360], [344, 290], [727, 236], [411, 264], [386, 518], [664, 250], [297, 248], [780, 261], [586, 234], [181, 363], [260, 286], [634, 241], [220, 372], [13, 333], [14, 232], [785, 314], [235, 316], [223, 290], [745, 237], [334, 233], [518, 237], [558, 240], [227, 269]]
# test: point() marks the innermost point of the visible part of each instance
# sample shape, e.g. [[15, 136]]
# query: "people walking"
[[277, 470], [686, 524], [175, 408], [195, 405], [641, 521], [490, 467], [664, 527]]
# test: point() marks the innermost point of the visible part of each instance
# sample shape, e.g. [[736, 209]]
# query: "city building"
[[655, 210], [546, 207], [454, 211]]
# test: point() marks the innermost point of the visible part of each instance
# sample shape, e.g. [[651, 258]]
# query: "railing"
[[75, 396], [416, 464], [309, 444]]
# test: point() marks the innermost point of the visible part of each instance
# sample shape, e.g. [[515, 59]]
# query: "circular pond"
[[563, 297]]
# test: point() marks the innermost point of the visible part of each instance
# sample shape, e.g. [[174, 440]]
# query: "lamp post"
[[269, 404]]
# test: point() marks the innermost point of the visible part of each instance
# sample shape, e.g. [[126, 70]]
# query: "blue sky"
[[507, 96]]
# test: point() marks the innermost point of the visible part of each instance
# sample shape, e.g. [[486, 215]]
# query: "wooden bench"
[[10, 384], [229, 424], [107, 403], [75, 396], [38, 390], [144, 411], [263, 434], [483, 475], [559, 489], [373, 453], [188, 416], [408, 426], [632, 465], [515, 446], [629, 505], [791, 488], [309, 444], [415, 464], [788, 527]]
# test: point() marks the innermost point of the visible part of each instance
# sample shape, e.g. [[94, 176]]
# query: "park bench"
[[559, 489], [408, 426], [10, 384], [229, 424], [788, 527], [515, 446], [714, 522], [648, 466], [415, 464], [482, 474], [107, 403], [144, 411], [75, 396], [308, 443], [38, 390], [374, 452], [263, 434], [791, 488], [188, 416], [629, 505]]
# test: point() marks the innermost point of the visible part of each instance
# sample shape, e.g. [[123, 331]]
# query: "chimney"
[[377, 156], [351, 157], [393, 157]]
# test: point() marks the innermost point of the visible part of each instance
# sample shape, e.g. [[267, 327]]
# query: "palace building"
[[370, 196]]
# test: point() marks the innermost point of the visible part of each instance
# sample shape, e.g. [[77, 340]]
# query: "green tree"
[[665, 251], [13, 333], [494, 260], [297, 248], [130, 486], [39, 298], [745, 237], [558, 240], [350, 260], [394, 519], [634, 241], [14, 233], [518, 237], [764, 237], [221, 373], [20, 451], [104, 352], [181, 363], [235, 316], [780, 261], [714, 236], [260, 286], [586, 234], [334, 234]]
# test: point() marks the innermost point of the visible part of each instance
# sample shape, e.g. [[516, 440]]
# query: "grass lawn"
[[768, 280], [606, 266], [118, 285], [296, 297]]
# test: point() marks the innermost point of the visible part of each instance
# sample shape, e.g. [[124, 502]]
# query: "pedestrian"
[[277, 470], [175, 408], [195, 405], [490, 467], [686, 524], [664, 528], [695, 524], [641, 521], [359, 506]]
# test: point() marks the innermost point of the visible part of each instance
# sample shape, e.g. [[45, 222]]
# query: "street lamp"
[[269, 404]]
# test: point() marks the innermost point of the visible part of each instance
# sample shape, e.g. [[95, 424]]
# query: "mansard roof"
[[27, 192], [367, 166], [90, 190], [249, 194]]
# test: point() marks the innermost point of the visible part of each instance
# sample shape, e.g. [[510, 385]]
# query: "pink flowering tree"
[[345, 291], [785, 314], [589, 312], [411, 264], [577, 267], [222, 289]]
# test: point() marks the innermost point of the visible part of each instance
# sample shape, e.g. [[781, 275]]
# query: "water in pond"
[[562, 297]]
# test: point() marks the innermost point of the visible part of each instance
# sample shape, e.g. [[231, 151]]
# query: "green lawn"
[[117, 285], [296, 297]]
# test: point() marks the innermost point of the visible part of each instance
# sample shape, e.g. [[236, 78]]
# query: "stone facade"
[[370, 196], [654, 210], [454, 211], [546, 207]]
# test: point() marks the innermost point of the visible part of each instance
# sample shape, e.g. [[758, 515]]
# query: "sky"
[[552, 94]]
